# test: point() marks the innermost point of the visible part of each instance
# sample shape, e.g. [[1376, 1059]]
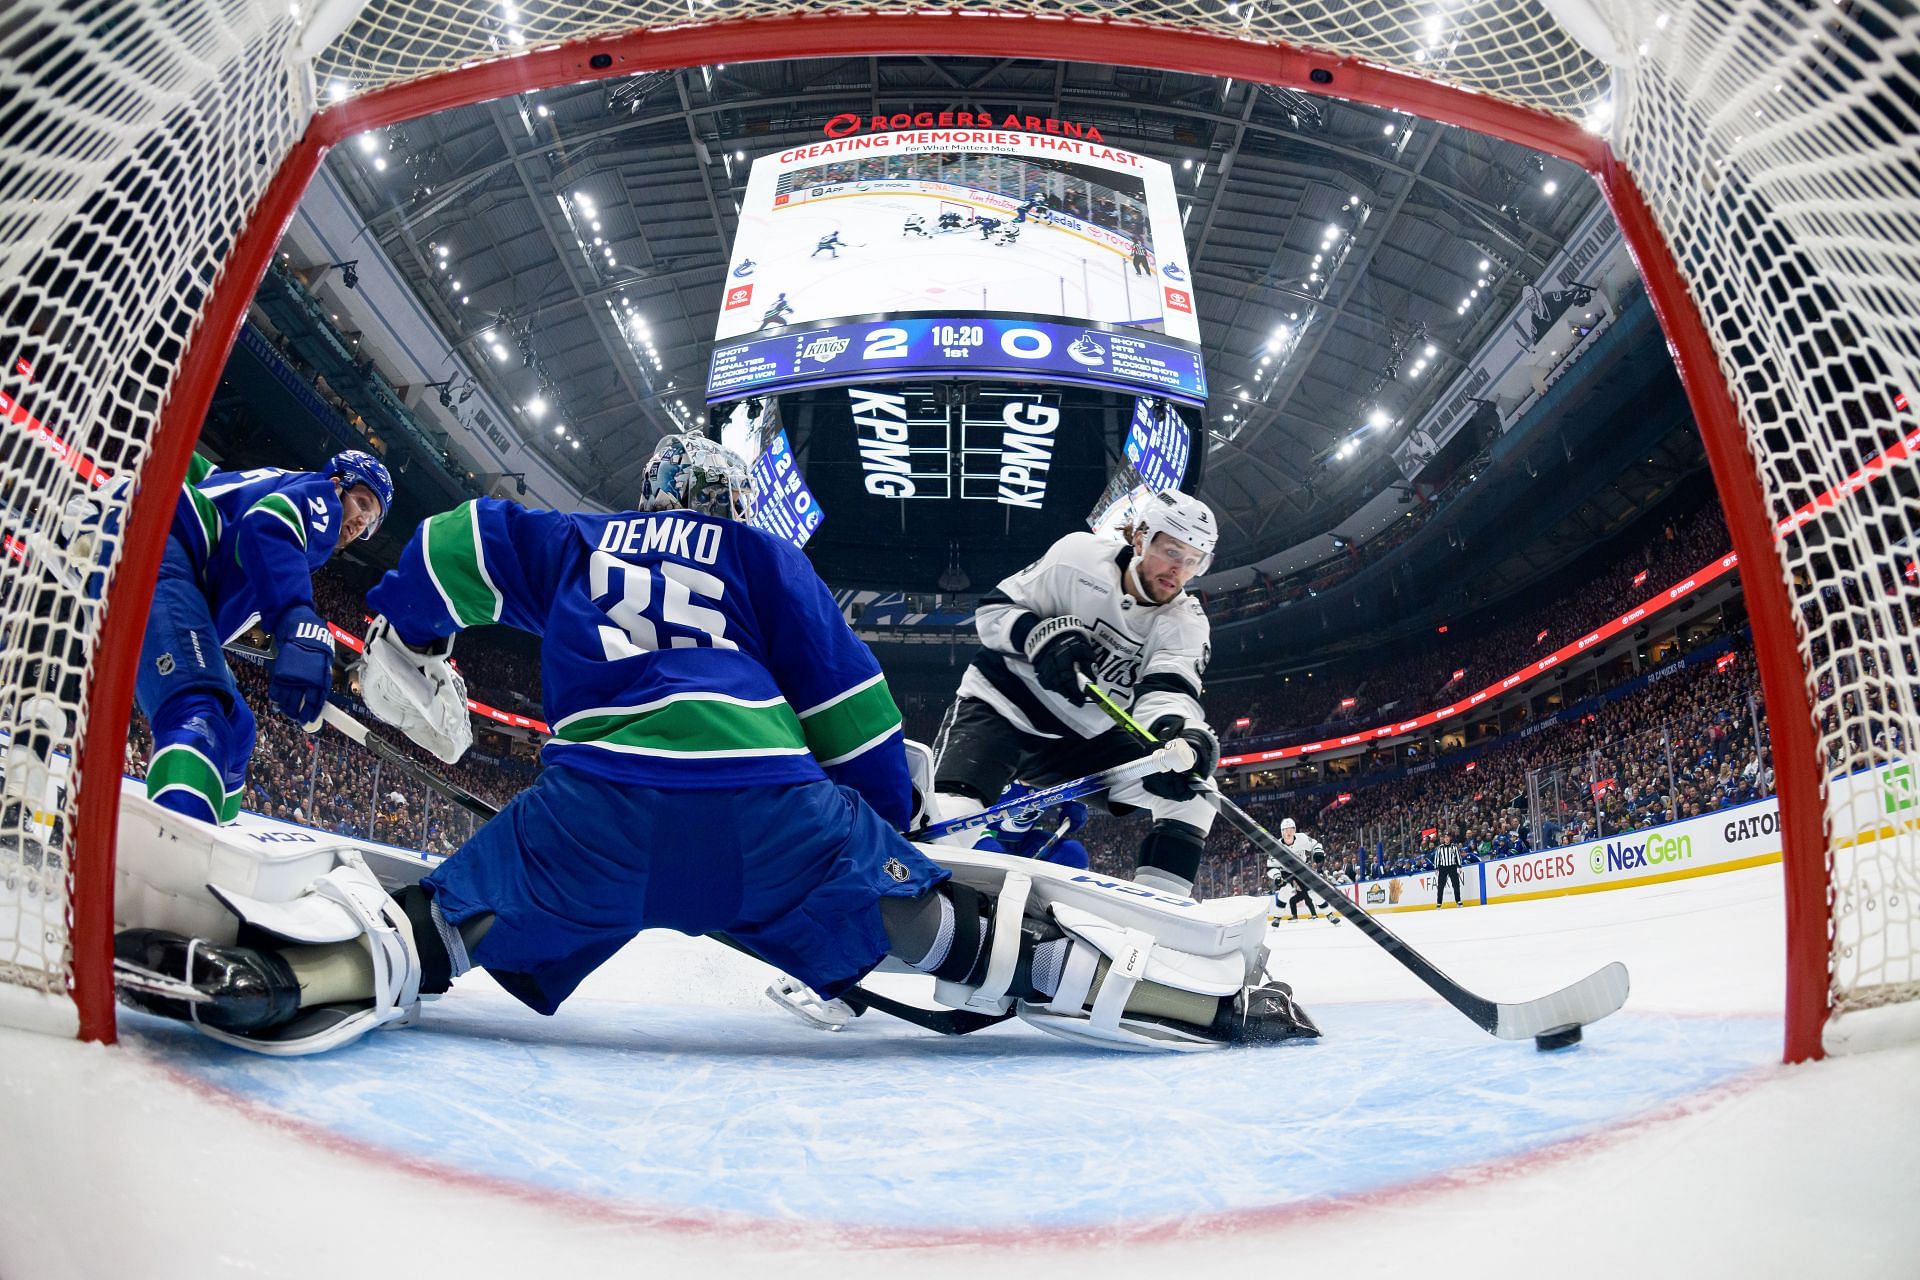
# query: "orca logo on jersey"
[[666, 534]]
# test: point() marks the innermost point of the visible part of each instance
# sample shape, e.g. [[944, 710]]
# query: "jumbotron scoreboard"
[[949, 338]]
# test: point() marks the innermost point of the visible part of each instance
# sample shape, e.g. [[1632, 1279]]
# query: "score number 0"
[[1021, 343]]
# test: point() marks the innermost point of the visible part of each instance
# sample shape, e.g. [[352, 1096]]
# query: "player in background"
[[987, 225], [242, 550], [1008, 234], [1115, 613], [1138, 252], [916, 226], [1307, 849], [830, 243], [951, 221], [726, 758], [777, 314]]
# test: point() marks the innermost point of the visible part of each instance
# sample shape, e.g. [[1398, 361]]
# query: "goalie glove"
[[1061, 651], [1206, 754], [417, 691]]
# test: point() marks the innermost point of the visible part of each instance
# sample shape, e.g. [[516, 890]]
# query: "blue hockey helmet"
[[695, 474], [356, 466]]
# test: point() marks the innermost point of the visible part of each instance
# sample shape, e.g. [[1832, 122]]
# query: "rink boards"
[[1869, 807]]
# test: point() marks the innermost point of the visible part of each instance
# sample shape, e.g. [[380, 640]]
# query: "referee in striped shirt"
[[1446, 864]]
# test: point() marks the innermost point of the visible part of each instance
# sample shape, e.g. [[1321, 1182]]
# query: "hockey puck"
[[1565, 1038]]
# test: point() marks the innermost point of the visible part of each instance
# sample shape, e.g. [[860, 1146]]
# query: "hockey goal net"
[[1757, 154]]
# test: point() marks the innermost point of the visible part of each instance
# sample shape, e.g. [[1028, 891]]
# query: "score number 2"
[[1021, 343], [678, 587]]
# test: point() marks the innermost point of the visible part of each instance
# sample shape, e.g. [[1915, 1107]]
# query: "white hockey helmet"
[[1288, 824], [695, 474], [1179, 515]]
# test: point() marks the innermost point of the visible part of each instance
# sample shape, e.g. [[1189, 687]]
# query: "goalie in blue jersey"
[[725, 759]]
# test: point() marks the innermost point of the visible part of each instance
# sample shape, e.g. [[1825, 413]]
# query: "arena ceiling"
[[1300, 353]]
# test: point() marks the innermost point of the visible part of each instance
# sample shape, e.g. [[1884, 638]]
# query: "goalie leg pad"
[[345, 903], [1118, 934]]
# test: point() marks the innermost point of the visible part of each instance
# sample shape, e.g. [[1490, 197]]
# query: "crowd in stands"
[[1482, 650], [1691, 743], [325, 781]]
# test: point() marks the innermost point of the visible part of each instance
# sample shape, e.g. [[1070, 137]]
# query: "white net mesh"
[[1772, 141], [136, 140], [1775, 145]]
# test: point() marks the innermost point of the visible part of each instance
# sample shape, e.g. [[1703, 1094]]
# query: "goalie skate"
[[804, 1003]]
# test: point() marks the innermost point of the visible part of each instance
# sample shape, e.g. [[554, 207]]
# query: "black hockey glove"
[[1206, 754], [1061, 651]]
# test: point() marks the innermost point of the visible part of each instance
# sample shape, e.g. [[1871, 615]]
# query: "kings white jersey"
[[1151, 657], [1304, 846]]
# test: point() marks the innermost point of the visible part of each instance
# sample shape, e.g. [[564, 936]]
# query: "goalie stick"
[[1555, 1017], [1173, 757]]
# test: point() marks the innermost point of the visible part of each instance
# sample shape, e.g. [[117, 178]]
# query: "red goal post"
[[1752, 152]]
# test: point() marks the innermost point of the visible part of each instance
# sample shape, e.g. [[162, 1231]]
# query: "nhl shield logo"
[[164, 664], [897, 870]]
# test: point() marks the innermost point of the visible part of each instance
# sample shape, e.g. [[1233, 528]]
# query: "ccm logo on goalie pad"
[[1134, 890]]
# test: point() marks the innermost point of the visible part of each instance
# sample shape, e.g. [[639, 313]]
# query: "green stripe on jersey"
[[690, 725], [841, 728], [199, 467], [458, 566], [208, 514], [280, 506], [182, 768]]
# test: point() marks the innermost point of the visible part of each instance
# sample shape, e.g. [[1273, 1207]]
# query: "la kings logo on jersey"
[[1119, 664]]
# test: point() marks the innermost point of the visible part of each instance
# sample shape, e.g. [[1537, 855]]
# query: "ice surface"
[[668, 1120]]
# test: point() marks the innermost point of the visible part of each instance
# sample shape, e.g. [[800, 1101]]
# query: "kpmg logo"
[[825, 350]]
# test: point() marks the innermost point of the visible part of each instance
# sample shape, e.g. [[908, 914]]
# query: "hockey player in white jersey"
[[1308, 850], [726, 759], [1116, 613]]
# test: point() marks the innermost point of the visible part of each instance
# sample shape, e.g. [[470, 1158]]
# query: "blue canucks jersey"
[[254, 539], [678, 650]]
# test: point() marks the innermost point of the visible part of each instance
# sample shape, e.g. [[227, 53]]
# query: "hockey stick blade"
[[1592, 998], [1588, 1000]]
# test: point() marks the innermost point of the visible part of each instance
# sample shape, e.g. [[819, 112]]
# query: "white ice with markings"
[[670, 1119]]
